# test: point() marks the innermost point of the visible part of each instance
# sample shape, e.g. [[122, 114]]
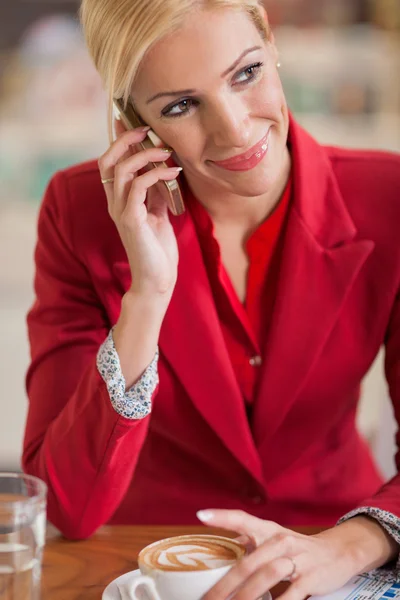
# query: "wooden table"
[[82, 570]]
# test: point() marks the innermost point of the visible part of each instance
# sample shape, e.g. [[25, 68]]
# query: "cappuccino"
[[182, 568], [191, 553]]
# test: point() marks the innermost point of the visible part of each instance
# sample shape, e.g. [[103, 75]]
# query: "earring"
[[278, 64]]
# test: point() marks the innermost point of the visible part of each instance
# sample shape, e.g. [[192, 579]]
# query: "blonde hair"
[[118, 34]]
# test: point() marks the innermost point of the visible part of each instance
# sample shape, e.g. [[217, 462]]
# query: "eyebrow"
[[192, 91]]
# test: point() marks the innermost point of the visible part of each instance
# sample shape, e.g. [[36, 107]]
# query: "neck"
[[245, 213]]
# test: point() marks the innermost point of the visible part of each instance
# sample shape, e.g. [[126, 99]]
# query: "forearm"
[[364, 542], [87, 455], [136, 334]]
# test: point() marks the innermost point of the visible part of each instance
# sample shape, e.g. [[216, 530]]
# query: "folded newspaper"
[[381, 584]]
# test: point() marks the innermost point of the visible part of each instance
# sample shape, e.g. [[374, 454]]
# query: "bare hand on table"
[[320, 563]]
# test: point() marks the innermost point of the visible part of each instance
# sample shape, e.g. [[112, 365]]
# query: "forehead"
[[207, 43]]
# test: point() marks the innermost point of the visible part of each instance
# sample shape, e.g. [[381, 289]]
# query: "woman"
[[232, 379]]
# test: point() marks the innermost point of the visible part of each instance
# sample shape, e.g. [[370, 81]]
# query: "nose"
[[228, 124]]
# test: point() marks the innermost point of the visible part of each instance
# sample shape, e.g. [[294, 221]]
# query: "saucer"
[[112, 592]]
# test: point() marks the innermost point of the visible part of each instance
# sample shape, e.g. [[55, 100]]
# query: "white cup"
[[161, 584], [176, 586]]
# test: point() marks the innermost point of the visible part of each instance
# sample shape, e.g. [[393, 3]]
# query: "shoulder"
[[77, 180], [371, 170], [369, 181], [77, 189], [75, 198]]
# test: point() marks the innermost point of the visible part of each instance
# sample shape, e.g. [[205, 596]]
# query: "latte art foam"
[[194, 553]]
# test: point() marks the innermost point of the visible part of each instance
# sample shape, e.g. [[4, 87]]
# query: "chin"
[[253, 184], [251, 191]]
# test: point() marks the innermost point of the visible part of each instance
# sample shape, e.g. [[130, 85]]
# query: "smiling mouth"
[[248, 159]]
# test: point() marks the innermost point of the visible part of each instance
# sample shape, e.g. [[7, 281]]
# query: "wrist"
[[152, 306], [364, 542], [136, 335], [140, 318]]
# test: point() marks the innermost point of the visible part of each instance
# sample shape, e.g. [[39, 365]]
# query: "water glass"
[[22, 535]]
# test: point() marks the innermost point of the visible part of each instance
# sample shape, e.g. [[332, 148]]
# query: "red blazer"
[[300, 459]]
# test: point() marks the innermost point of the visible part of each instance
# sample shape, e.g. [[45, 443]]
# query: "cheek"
[[270, 99], [187, 142]]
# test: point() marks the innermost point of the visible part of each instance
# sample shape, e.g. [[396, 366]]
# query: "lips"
[[247, 160]]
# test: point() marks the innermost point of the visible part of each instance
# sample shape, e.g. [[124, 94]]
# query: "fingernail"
[[146, 128], [178, 169], [205, 515]]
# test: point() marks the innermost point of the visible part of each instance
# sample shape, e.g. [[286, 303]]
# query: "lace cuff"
[[387, 520], [134, 403]]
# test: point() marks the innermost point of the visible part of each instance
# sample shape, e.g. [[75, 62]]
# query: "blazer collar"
[[318, 200], [322, 259]]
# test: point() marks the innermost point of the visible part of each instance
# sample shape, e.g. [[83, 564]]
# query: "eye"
[[249, 73], [179, 108]]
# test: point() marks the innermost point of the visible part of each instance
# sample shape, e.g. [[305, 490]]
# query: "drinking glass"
[[22, 535]]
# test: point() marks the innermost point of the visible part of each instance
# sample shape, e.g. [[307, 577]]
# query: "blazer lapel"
[[191, 341], [320, 262]]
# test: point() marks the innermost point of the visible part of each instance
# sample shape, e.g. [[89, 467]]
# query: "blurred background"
[[341, 73]]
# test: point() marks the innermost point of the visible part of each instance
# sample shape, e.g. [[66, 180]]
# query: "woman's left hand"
[[319, 564]]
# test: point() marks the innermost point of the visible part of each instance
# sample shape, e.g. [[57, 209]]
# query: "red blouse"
[[244, 326]]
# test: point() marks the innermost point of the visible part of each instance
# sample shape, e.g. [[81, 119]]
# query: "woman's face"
[[211, 91]]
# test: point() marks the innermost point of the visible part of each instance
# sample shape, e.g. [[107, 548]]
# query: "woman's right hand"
[[145, 229]]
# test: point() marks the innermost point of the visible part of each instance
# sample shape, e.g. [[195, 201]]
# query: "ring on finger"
[[109, 180], [293, 574]]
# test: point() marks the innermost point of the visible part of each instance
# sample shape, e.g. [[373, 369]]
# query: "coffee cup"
[[183, 567]]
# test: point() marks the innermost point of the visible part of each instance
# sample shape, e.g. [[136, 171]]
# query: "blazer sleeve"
[[74, 439], [388, 497]]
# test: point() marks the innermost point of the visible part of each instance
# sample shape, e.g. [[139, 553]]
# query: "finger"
[[249, 582], [141, 184], [119, 127], [294, 592], [125, 171], [265, 555], [242, 539], [248, 542], [116, 151], [140, 160], [263, 580], [254, 587], [156, 202], [240, 521]]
